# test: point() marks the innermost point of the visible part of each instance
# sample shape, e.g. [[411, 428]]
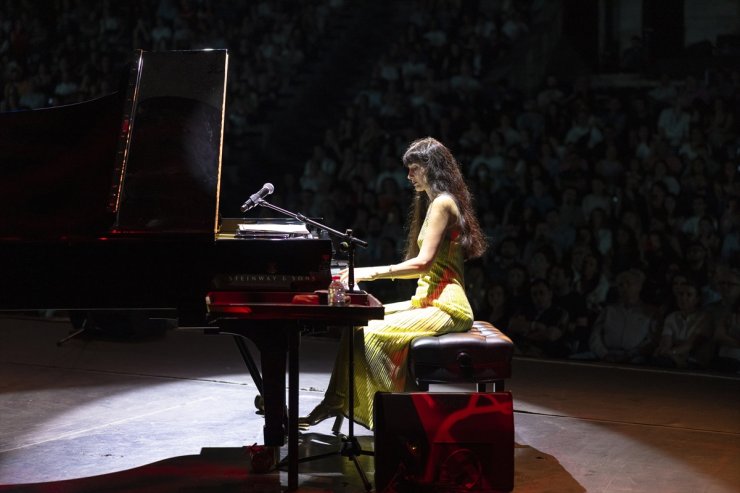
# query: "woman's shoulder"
[[445, 201]]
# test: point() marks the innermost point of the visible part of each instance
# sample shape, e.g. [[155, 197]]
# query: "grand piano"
[[112, 205]]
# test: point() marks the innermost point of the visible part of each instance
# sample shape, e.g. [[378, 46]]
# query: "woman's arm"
[[442, 213]]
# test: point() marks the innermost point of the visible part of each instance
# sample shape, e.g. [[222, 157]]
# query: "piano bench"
[[480, 356]]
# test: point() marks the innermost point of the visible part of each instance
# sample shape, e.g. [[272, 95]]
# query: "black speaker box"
[[444, 442]]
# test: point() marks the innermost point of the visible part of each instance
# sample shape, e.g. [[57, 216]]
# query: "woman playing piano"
[[443, 233]]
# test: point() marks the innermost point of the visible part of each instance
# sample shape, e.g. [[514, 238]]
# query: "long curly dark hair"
[[443, 176]]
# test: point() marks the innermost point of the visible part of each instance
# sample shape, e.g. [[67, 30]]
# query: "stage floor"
[[175, 414]]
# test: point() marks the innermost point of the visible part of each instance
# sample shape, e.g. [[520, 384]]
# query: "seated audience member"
[[727, 337], [683, 330], [541, 261], [574, 259], [498, 306], [659, 254], [516, 286], [600, 231], [708, 236], [698, 267], [634, 57], [676, 281], [561, 282], [625, 330], [592, 283], [507, 254], [724, 350], [571, 213], [541, 329], [562, 236], [674, 122], [597, 198], [626, 252]]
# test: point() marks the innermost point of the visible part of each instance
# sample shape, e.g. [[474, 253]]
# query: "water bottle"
[[336, 292]]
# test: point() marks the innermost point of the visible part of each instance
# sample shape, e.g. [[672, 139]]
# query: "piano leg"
[[273, 375], [294, 338], [278, 343]]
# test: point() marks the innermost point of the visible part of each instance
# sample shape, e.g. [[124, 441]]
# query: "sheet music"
[[273, 230]]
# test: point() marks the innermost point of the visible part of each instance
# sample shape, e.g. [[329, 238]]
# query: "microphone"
[[256, 198]]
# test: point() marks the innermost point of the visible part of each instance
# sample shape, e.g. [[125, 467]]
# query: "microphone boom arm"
[[348, 240]]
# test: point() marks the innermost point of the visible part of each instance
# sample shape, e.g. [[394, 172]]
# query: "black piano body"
[[114, 203], [112, 206]]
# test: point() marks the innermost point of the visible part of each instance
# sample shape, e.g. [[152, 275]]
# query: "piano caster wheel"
[[259, 403]]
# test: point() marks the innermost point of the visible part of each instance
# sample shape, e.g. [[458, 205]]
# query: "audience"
[[624, 200]]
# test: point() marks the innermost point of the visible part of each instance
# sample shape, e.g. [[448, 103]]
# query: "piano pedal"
[[71, 335], [81, 323]]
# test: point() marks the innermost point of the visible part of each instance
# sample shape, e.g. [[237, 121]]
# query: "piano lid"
[[146, 159], [173, 170]]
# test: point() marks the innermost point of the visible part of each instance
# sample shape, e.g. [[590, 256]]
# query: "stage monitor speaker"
[[444, 442]]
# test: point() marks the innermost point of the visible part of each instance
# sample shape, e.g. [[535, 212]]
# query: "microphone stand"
[[349, 242], [350, 446]]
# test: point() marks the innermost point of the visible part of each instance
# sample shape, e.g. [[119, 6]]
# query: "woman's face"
[[418, 177]]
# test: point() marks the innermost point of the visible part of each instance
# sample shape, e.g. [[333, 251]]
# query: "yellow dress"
[[438, 306]]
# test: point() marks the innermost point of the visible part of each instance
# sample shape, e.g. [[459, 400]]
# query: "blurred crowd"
[[65, 51], [612, 212]]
